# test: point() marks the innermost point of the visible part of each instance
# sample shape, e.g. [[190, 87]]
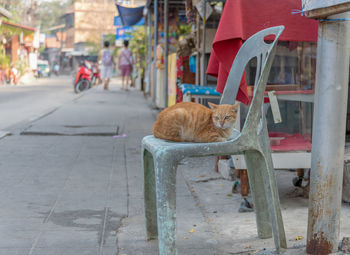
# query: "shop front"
[[16, 47], [292, 76]]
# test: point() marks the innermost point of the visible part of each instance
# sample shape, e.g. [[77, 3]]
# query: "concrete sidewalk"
[[64, 186], [69, 187]]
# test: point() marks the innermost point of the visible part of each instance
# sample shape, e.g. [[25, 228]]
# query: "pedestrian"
[[108, 64], [56, 68], [125, 63], [13, 75]]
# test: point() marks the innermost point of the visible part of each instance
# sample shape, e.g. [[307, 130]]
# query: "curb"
[[3, 134]]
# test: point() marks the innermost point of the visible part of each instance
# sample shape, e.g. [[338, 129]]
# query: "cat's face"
[[225, 115]]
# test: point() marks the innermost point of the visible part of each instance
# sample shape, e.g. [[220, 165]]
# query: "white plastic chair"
[[160, 157]]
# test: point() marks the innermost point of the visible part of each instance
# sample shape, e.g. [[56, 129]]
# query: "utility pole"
[[166, 50], [328, 134], [155, 49], [204, 76], [149, 51]]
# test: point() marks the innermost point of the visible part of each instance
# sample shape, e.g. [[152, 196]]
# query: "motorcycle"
[[96, 77], [82, 78]]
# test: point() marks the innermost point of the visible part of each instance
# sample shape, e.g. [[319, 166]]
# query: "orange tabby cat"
[[192, 122]]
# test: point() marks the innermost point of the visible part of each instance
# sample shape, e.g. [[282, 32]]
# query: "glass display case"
[[292, 77], [292, 74]]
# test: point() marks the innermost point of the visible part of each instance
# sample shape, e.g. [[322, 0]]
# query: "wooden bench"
[[197, 92]]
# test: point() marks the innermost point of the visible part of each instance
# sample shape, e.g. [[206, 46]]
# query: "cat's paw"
[[221, 139]]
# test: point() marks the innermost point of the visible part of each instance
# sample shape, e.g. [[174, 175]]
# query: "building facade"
[[87, 21]]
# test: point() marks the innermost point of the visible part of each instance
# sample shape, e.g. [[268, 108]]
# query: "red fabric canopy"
[[241, 19]]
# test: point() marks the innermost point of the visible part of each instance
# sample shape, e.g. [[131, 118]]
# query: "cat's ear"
[[235, 107], [212, 106]]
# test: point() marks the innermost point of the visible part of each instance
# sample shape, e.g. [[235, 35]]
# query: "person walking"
[[56, 68], [125, 63], [108, 65]]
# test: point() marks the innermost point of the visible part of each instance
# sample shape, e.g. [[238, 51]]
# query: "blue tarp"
[[130, 16], [117, 21], [141, 22]]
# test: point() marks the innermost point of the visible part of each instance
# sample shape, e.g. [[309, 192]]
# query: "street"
[[24, 102]]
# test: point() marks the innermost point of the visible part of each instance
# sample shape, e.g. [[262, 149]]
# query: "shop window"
[[292, 72], [293, 69]]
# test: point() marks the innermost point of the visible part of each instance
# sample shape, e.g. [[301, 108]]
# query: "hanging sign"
[[200, 9], [123, 33]]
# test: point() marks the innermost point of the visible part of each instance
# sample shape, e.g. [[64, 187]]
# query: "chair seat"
[[154, 145]]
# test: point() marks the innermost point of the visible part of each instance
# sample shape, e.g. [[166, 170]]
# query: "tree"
[[33, 12], [16, 7], [48, 13]]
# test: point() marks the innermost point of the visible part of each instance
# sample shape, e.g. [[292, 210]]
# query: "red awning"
[[241, 19]]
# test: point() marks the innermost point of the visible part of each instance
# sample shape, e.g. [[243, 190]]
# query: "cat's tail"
[[170, 134], [156, 131], [158, 134]]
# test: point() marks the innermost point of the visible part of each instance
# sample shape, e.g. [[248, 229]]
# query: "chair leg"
[[217, 162], [254, 162], [272, 193], [166, 204], [150, 196], [274, 204], [244, 183]]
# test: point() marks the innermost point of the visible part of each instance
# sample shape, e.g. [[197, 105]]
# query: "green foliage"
[[15, 7], [138, 47], [10, 30], [41, 49], [184, 29], [21, 66], [93, 48], [4, 61], [110, 38], [45, 13], [48, 13]]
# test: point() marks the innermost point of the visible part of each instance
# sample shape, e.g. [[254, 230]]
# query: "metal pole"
[[149, 57], [198, 72], [155, 49], [204, 77], [166, 49], [328, 136]]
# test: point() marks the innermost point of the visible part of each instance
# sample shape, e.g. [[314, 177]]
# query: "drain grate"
[[73, 130], [70, 126], [82, 126]]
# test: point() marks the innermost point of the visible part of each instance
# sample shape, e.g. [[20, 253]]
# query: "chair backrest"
[[254, 47]]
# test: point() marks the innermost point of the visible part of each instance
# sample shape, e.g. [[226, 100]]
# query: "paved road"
[[24, 102], [67, 193]]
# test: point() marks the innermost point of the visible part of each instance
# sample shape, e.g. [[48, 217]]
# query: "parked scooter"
[[82, 78], [96, 77]]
